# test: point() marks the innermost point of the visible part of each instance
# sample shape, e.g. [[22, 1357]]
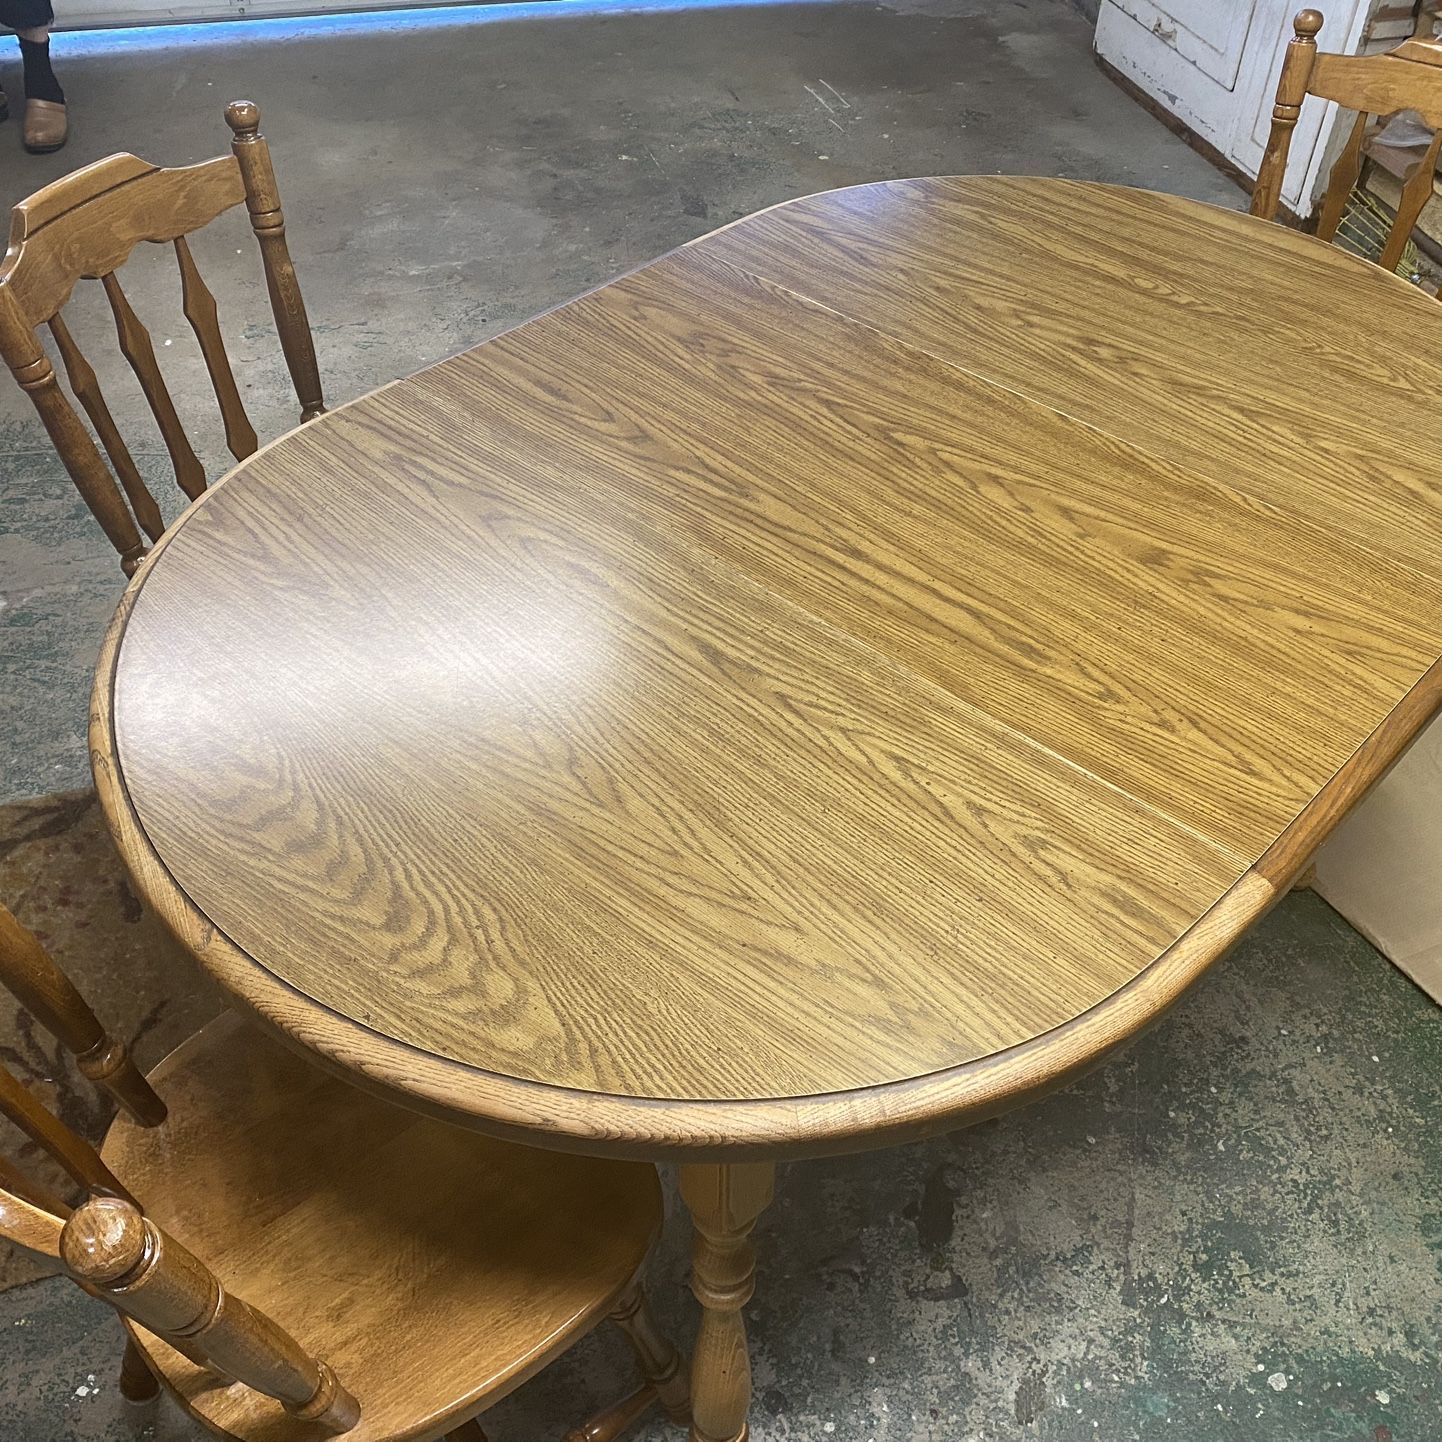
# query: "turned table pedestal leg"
[[724, 1201]]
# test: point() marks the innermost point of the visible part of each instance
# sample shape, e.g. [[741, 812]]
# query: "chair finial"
[[243, 116], [104, 1240], [1307, 24]]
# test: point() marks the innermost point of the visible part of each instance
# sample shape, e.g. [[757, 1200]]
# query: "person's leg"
[[40, 81], [46, 124], [45, 119]]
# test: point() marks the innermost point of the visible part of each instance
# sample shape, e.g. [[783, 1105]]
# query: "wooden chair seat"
[[435, 1268]]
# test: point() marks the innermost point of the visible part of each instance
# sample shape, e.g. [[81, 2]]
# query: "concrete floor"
[[1231, 1232]]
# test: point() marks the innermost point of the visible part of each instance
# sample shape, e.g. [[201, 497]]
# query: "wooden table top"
[[831, 683]]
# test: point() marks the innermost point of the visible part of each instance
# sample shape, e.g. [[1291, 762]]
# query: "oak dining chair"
[[84, 227], [1376, 87], [365, 1270]]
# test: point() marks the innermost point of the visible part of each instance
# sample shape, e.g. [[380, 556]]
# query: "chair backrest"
[[84, 226], [1376, 87], [106, 1243]]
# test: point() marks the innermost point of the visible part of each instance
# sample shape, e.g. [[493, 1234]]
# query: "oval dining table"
[[825, 687]]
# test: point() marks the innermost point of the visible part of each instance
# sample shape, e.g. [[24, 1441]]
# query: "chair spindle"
[[136, 347], [86, 388], [38, 984], [1416, 192], [200, 310], [75, 1155], [1342, 178], [36, 376]]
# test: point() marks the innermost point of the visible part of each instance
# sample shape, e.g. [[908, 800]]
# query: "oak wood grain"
[[602, 1125], [1005, 560], [816, 690], [432, 1270], [630, 751], [1168, 324]]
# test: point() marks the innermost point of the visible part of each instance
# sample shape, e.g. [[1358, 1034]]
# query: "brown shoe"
[[46, 127]]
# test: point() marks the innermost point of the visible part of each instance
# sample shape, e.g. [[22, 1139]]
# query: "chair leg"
[[660, 1365], [610, 1422], [467, 1432], [137, 1381], [656, 1356]]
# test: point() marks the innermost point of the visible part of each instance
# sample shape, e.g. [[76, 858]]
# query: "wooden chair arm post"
[[1297, 64], [262, 200], [36, 377], [108, 1245], [35, 981]]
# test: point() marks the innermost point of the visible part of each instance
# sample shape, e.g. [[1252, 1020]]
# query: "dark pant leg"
[[25, 14]]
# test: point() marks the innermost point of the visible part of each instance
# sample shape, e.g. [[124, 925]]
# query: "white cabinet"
[[1214, 63], [1209, 34]]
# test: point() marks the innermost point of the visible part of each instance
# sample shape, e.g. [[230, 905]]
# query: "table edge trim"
[[607, 1124]]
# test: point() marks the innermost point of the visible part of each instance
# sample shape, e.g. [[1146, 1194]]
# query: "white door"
[[1214, 63]]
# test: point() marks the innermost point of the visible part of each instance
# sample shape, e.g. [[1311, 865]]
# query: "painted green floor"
[[1231, 1233]]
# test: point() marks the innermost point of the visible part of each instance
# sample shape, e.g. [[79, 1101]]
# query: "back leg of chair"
[[467, 1432], [656, 1354], [137, 1382], [659, 1363]]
